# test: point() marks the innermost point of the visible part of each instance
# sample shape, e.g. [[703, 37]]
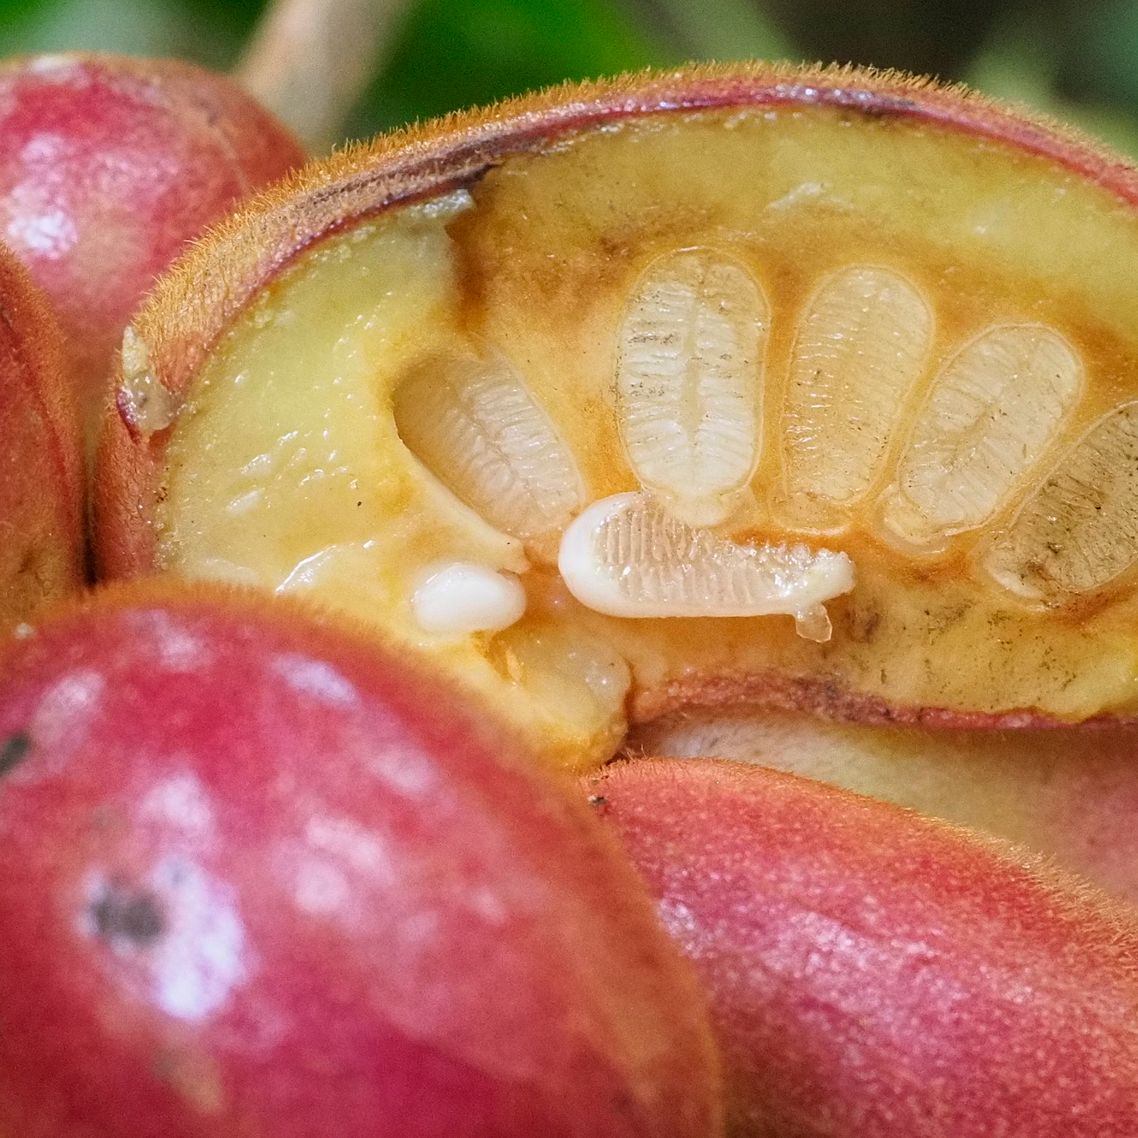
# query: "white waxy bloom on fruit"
[[626, 556]]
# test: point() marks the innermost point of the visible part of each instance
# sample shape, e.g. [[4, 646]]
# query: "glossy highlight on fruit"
[[879, 974], [110, 165], [810, 388], [262, 876]]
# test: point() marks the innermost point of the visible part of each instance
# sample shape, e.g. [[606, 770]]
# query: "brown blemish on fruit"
[[127, 915], [13, 751]]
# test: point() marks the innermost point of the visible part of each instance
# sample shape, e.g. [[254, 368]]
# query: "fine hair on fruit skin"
[[877, 973], [265, 876], [42, 558]]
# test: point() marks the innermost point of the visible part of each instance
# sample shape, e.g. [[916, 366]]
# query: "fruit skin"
[[1067, 792], [110, 165], [880, 974], [261, 877], [41, 483]]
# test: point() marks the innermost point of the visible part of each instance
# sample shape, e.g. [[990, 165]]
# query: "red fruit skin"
[[1068, 792], [878, 974], [262, 879], [109, 165]]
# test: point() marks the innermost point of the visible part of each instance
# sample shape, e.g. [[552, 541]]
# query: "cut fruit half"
[[809, 388]]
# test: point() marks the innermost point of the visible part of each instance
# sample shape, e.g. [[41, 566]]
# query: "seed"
[[627, 556], [476, 427], [688, 381], [992, 412], [1080, 529], [457, 598], [861, 345]]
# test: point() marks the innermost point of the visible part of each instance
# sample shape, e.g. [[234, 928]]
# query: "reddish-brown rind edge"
[[825, 697], [30, 334]]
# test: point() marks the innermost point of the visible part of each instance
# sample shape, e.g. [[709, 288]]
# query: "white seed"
[[627, 556], [1079, 531], [687, 381], [457, 598], [476, 427], [992, 412], [861, 345]]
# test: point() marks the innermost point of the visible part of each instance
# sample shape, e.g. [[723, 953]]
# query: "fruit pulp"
[[872, 350]]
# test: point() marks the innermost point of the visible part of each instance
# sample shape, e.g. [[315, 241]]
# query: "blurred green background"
[[1077, 60]]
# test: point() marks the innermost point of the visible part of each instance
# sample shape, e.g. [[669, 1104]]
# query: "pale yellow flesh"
[[963, 312]]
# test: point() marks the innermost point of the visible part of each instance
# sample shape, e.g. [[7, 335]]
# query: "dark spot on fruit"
[[13, 751], [598, 801], [125, 914]]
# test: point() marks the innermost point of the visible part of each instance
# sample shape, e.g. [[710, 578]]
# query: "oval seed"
[[627, 556], [688, 383]]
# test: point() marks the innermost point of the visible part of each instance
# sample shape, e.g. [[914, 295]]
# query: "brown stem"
[[308, 61]]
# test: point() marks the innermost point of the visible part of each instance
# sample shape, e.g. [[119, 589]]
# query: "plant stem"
[[309, 61]]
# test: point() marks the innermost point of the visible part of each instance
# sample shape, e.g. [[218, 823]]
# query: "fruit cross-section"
[[724, 388]]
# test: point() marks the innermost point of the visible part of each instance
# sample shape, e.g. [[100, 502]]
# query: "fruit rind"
[[522, 222]]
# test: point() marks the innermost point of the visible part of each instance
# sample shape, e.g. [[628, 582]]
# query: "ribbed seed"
[[474, 425], [861, 345], [688, 381], [628, 556], [992, 412], [1080, 529]]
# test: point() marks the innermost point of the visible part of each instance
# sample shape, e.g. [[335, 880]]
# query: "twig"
[[309, 61]]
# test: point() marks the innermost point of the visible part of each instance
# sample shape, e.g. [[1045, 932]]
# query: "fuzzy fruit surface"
[[879, 974], [1068, 792], [110, 165], [259, 879], [41, 480]]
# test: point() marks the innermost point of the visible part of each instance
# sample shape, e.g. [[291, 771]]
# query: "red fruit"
[[41, 482], [263, 879], [1068, 792], [876, 974], [109, 165]]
